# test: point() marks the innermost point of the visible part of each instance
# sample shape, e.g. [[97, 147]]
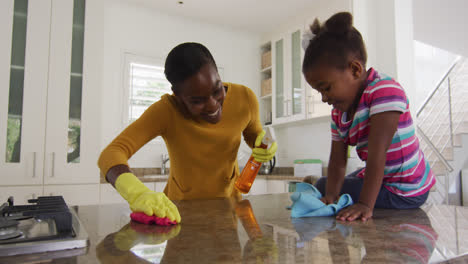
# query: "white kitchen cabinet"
[[109, 195], [314, 105], [266, 89], [264, 186], [259, 186], [23, 70], [159, 186], [71, 112], [277, 186], [21, 194], [49, 72], [79, 194], [292, 99], [288, 82]]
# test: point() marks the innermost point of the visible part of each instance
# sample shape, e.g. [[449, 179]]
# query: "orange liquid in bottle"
[[248, 174]]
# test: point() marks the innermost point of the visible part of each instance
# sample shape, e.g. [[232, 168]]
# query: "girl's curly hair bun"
[[340, 23]]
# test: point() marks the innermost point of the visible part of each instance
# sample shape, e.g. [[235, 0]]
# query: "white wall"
[[431, 64], [143, 31], [442, 24], [387, 29]]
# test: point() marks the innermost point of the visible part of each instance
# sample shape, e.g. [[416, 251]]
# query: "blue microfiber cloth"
[[306, 202]]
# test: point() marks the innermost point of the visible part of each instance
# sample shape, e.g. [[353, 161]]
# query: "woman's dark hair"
[[185, 60], [335, 43]]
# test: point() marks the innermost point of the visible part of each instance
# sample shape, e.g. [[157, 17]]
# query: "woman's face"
[[338, 88], [203, 94]]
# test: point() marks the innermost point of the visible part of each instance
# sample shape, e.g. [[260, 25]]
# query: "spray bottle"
[[248, 174]]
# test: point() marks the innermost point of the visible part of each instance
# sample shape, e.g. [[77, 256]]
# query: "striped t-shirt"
[[406, 171]]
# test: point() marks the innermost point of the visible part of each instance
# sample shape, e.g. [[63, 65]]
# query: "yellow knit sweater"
[[203, 155]]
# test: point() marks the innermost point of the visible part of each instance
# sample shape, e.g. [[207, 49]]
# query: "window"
[[146, 84]]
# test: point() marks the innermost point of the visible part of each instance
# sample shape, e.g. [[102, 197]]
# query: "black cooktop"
[[51, 211]]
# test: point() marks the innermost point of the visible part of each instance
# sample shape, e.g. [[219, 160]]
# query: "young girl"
[[371, 112], [201, 123]]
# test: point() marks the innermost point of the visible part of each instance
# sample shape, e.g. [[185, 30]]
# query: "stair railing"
[[429, 140]]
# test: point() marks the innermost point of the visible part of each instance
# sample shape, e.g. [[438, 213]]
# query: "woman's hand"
[[354, 212], [263, 155], [142, 199]]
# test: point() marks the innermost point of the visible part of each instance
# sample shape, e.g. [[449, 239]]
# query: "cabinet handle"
[[52, 172], [34, 165], [310, 105], [288, 109]]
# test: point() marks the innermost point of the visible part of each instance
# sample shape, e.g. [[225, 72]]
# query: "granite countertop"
[[259, 229]]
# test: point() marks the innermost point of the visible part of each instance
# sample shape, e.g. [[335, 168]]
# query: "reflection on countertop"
[[260, 230]]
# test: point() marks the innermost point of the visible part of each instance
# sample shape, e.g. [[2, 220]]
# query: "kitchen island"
[[259, 229]]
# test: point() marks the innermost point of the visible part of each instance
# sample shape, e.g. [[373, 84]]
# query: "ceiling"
[[259, 16]]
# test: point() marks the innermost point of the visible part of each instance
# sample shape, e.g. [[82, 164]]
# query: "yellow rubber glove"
[[261, 154], [142, 199]]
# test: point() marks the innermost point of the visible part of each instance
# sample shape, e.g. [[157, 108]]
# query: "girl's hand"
[[329, 199], [354, 212]]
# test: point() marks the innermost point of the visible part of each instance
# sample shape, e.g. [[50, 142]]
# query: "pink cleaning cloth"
[[146, 219]]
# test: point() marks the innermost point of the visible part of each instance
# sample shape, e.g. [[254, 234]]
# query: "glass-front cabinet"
[[47, 106], [280, 98], [288, 104], [24, 27], [291, 99]]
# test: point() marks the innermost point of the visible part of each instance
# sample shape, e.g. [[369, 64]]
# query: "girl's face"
[[203, 94], [339, 88]]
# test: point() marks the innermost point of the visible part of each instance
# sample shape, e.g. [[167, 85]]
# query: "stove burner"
[[9, 233], [51, 209], [43, 224], [6, 223]]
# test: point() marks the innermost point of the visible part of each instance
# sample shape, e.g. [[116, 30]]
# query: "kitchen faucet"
[[164, 159]]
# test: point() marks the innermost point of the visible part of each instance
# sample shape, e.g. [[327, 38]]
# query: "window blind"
[[147, 84]]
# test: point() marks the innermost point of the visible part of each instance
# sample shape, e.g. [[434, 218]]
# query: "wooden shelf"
[[266, 69]]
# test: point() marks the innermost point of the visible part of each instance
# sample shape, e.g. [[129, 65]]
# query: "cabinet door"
[[278, 75], [296, 91], [277, 186], [21, 194], [109, 195], [72, 134], [159, 186], [314, 105], [83, 194], [288, 82], [24, 46], [259, 186]]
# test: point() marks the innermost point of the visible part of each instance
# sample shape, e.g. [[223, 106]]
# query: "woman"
[[201, 124]]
